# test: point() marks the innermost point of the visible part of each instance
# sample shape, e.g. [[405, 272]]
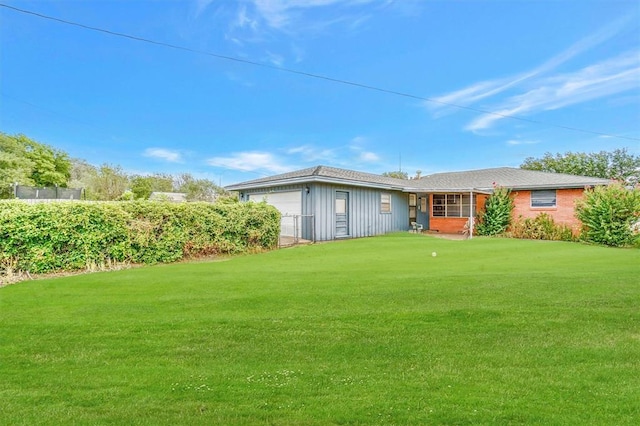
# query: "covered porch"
[[451, 212]]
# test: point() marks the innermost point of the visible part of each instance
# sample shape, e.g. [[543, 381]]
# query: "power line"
[[311, 75]]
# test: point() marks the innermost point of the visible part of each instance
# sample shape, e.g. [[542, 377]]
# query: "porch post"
[[471, 208]]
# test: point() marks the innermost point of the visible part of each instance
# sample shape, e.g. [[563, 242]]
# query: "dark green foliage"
[[618, 164], [143, 186], [542, 227], [28, 162], [71, 236], [610, 215], [496, 216]]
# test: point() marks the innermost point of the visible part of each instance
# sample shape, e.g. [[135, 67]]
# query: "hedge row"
[[70, 236]]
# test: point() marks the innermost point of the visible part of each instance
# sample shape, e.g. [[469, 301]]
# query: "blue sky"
[[557, 64]]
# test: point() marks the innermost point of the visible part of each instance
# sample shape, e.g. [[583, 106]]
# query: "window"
[[545, 198], [452, 205], [385, 203]]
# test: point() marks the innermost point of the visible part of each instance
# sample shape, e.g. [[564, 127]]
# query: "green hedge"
[[68, 236]]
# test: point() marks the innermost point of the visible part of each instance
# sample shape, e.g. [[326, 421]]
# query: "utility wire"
[[311, 75]]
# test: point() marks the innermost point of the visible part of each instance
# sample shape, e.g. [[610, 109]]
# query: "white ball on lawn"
[[434, 254]]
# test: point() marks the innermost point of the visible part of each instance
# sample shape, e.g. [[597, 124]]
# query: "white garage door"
[[289, 204]]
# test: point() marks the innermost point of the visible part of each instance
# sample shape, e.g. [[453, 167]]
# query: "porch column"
[[471, 208]]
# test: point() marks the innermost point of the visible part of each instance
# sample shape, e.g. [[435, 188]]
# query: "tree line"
[[28, 162]]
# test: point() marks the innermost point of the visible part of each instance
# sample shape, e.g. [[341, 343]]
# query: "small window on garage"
[[385, 202], [546, 198]]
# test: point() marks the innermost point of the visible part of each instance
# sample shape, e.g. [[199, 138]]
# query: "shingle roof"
[[323, 174], [486, 179], [482, 180]]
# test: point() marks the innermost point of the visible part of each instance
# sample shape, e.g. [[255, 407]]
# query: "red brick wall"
[[452, 225], [563, 213]]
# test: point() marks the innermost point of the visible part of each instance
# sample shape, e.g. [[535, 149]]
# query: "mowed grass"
[[367, 331]]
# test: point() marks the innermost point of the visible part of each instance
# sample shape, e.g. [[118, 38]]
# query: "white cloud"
[[275, 59], [521, 142], [357, 145], [358, 141], [163, 154], [309, 153], [258, 18], [336, 156], [250, 161], [369, 157], [532, 92], [612, 76], [201, 6], [281, 13]]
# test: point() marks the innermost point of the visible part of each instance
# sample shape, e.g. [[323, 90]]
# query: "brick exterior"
[[453, 225], [563, 213]]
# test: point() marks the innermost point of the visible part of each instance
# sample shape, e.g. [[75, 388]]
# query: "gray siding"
[[365, 218]]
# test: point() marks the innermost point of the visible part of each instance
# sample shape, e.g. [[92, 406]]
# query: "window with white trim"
[[452, 205], [543, 198], [385, 202]]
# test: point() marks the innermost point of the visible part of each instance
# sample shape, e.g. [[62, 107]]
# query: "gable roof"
[[482, 180]]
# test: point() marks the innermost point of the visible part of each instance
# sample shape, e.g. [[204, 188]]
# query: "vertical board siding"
[[365, 218]]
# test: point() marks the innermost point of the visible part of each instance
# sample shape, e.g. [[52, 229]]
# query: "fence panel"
[[295, 229], [24, 192]]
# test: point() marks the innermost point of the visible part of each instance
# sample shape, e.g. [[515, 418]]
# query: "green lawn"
[[367, 331]]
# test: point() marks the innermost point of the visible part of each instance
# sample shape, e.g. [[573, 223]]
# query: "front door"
[[342, 213], [413, 208]]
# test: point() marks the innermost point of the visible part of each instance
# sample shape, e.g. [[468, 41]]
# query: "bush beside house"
[[610, 215]]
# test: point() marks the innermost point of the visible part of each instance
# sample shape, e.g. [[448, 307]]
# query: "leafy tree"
[[27, 162], [618, 164], [610, 215], [81, 173], [143, 186], [109, 183], [14, 165], [198, 189], [496, 216], [50, 166], [397, 175]]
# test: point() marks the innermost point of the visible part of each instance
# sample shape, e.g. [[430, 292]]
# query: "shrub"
[[542, 227], [49, 237], [609, 214], [496, 216]]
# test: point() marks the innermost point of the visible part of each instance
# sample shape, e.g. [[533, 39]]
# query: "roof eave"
[[555, 186], [312, 179]]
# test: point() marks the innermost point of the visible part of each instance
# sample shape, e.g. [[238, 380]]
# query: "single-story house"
[[327, 203]]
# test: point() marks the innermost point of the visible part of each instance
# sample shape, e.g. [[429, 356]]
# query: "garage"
[[290, 206]]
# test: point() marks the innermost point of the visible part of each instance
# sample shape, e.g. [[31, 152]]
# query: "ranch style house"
[[326, 203]]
